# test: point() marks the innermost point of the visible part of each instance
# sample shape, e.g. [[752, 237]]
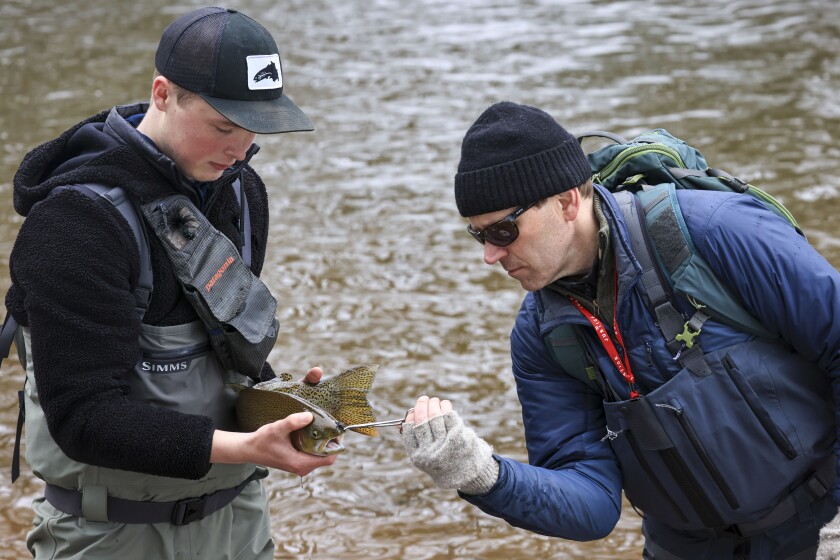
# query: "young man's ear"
[[161, 92]]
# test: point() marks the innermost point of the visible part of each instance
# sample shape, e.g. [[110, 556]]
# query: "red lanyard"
[[623, 366]]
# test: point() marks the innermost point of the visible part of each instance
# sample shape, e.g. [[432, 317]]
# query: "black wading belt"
[[180, 512]]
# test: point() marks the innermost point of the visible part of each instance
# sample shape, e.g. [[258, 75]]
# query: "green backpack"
[[644, 174], [657, 157]]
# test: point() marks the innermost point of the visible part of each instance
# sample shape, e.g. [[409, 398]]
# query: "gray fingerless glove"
[[829, 548], [452, 454]]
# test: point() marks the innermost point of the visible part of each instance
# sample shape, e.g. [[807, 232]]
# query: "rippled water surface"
[[368, 257]]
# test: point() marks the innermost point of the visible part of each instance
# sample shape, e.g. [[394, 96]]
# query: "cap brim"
[[270, 116]]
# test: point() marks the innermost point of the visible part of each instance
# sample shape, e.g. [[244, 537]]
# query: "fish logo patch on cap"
[[264, 72]]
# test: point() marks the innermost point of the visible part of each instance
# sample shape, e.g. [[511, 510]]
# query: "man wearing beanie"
[[129, 421], [729, 456]]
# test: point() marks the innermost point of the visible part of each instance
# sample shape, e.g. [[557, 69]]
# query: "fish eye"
[[316, 434]]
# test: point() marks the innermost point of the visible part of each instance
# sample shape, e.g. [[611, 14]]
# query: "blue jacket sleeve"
[[777, 274], [571, 487]]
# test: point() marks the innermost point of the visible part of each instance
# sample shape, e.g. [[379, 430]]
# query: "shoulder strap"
[[678, 333], [687, 272], [143, 292]]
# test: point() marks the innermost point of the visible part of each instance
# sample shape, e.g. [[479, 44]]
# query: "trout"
[[335, 402]]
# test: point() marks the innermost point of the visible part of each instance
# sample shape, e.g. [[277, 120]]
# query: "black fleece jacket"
[[74, 265]]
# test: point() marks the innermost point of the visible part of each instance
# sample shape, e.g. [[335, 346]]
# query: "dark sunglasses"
[[501, 233]]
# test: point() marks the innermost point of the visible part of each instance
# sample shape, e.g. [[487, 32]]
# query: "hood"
[[105, 149]]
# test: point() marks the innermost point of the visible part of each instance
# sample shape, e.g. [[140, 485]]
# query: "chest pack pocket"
[[236, 308]]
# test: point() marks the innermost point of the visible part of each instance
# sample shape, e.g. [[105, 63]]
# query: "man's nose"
[[493, 254]]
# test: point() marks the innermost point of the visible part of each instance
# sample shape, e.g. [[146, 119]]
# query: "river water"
[[368, 256]]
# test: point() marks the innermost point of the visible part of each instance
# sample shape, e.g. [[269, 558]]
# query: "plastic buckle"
[[816, 488], [189, 510], [687, 336]]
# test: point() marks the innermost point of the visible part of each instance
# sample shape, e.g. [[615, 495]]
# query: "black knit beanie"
[[514, 155]]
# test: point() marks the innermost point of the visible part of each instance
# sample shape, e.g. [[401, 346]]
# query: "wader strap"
[[118, 198], [119, 510], [7, 335], [814, 488], [18, 435]]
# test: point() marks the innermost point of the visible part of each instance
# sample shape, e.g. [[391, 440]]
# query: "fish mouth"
[[320, 447], [333, 446]]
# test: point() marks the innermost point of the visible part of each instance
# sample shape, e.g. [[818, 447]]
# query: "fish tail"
[[354, 408]]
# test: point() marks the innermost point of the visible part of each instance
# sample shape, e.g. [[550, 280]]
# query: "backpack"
[[657, 157], [683, 292]]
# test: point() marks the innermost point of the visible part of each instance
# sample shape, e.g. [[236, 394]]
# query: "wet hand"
[[439, 444]]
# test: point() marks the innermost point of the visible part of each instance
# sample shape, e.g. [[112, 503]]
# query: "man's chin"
[[530, 285]]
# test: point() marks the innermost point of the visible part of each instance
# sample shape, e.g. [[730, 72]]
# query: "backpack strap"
[[688, 274], [679, 334]]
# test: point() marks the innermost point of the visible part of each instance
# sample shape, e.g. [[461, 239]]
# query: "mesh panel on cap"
[[191, 60]]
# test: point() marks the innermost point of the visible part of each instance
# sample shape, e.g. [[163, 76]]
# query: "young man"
[[128, 419], [728, 457]]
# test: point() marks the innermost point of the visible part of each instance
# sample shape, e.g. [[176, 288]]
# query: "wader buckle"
[[189, 510]]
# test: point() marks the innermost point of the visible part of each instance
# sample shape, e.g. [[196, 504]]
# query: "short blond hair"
[[182, 95]]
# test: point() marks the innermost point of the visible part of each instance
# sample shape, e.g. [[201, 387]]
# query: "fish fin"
[[285, 376], [358, 378]]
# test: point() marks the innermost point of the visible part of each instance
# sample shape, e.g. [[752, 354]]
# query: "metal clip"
[[396, 422], [611, 435]]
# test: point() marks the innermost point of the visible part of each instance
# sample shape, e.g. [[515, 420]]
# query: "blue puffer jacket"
[[572, 486]]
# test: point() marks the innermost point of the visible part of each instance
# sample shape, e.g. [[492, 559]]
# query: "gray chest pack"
[[236, 308]]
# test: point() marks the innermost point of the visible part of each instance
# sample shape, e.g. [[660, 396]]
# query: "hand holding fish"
[[337, 404], [439, 444], [269, 446]]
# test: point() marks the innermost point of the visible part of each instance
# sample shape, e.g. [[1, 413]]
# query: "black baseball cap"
[[232, 62]]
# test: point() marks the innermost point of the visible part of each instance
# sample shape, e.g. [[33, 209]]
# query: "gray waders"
[[93, 512]]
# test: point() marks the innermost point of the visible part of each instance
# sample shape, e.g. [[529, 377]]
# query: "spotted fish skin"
[[342, 397]]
